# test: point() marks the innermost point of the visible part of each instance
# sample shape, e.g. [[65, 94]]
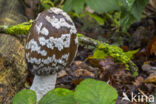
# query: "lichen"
[[22, 28]]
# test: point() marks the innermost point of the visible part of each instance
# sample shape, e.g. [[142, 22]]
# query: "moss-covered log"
[[13, 70], [111, 50]]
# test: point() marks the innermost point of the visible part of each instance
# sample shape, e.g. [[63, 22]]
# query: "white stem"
[[42, 84]]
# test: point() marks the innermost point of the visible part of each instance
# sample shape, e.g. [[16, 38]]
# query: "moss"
[[118, 54], [110, 50], [115, 52], [103, 49], [19, 28]]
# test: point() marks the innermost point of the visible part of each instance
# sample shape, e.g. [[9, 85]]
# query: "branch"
[[20, 29], [110, 50]]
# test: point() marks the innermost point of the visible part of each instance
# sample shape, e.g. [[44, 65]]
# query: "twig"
[[111, 50], [89, 41]]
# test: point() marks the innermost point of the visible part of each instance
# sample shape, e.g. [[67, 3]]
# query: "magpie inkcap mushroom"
[[51, 46]]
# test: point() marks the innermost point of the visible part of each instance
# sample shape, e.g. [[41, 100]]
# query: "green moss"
[[118, 54], [115, 52], [103, 50], [108, 50], [80, 35], [19, 28]]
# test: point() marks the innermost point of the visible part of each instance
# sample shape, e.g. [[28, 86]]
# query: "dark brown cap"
[[52, 42]]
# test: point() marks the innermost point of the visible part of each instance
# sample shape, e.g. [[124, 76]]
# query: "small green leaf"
[[126, 19], [58, 96], [76, 5], [127, 4], [99, 6], [130, 54], [91, 91], [68, 5], [138, 7], [99, 20], [25, 96], [131, 11], [102, 6], [47, 4]]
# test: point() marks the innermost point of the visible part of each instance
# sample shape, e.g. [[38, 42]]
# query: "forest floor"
[[142, 36]]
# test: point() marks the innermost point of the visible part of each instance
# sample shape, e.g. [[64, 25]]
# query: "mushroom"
[[51, 46]]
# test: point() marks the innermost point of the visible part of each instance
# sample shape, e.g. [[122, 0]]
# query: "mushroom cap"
[[52, 42]]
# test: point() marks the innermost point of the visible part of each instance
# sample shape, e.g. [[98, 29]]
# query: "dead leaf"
[[83, 72], [124, 48], [77, 81], [62, 73], [139, 81], [94, 62], [149, 67], [151, 78], [151, 47]]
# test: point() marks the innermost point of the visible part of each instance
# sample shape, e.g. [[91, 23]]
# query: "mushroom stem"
[[42, 84]]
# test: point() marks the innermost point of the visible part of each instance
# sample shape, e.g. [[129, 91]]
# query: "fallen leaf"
[[77, 81], [149, 67], [151, 78], [62, 73], [151, 47], [139, 81], [124, 48]]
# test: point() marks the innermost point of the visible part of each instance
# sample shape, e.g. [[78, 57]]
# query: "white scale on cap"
[[59, 43], [34, 47]]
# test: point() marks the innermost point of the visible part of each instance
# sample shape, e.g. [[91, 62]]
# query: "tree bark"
[[13, 69]]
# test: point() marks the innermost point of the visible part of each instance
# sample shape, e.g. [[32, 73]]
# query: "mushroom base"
[[42, 84]]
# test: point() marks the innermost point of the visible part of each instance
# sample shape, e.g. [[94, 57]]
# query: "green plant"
[[103, 50], [95, 92], [58, 96], [100, 6], [24, 97], [89, 91], [47, 4], [130, 10], [22, 28]]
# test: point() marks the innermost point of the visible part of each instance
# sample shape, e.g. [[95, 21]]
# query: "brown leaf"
[[139, 81], [151, 78], [83, 72], [81, 69], [149, 67], [77, 81], [124, 48], [107, 63], [102, 63], [61, 74], [151, 47], [94, 62]]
